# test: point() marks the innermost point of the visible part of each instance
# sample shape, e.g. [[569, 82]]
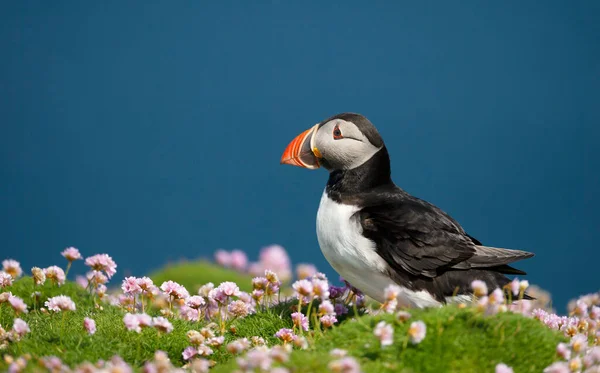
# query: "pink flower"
[[303, 289], [595, 313], [575, 364], [5, 279], [275, 258], [174, 290], [55, 274], [53, 363], [71, 254], [144, 320], [592, 357], [402, 316], [20, 327], [497, 297], [204, 350], [558, 367], [259, 283], [300, 320], [189, 314], [238, 308], [229, 288], [189, 352], [81, 281], [132, 322], [223, 258], [162, 324], [579, 342], [390, 305], [60, 303], [286, 335], [39, 276], [328, 320], [12, 267], [515, 286], [563, 351], [255, 358], [102, 262], [391, 292], [200, 366], [238, 260], [503, 368], [89, 325], [326, 308], [96, 278], [479, 287], [146, 284], [338, 353], [321, 289], [238, 346], [344, 365], [131, 286], [215, 341], [271, 277], [385, 333], [417, 332], [17, 304], [304, 271], [195, 302]]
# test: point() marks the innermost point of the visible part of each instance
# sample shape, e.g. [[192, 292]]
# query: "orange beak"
[[301, 151]]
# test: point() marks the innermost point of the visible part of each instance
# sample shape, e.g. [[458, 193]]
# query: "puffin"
[[375, 234]]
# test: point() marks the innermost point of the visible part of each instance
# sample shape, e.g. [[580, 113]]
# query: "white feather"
[[354, 257]]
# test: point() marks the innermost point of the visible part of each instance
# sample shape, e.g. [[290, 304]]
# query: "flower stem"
[[62, 327], [68, 268]]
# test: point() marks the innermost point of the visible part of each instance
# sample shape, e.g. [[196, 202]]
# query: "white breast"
[[354, 257]]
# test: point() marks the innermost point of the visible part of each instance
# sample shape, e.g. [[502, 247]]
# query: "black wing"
[[419, 238]]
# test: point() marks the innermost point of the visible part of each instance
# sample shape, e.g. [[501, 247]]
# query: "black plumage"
[[424, 247]]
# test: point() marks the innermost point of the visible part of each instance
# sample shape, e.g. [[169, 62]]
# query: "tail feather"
[[486, 257]]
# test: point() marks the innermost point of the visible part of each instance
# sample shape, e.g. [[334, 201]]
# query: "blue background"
[[153, 130]]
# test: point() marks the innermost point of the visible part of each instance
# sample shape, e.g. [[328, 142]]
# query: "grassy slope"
[[457, 340], [192, 275], [66, 338]]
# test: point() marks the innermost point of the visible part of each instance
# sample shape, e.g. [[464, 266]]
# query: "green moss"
[[192, 275], [457, 341]]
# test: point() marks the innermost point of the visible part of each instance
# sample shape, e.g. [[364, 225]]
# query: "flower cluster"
[[582, 326], [135, 322], [60, 303], [202, 343], [273, 258], [235, 259], [102, 263], [19, 329], [266, 288], [12, 267]]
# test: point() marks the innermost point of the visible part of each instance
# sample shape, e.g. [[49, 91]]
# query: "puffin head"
[[342, 142]]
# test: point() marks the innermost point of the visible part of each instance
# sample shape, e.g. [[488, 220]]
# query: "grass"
[[194, 274], [458, 340], [67, 339]]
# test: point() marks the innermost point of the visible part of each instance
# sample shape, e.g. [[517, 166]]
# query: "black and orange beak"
[[302, 152]]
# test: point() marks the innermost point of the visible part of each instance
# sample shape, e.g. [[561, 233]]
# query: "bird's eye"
[[337, 133]]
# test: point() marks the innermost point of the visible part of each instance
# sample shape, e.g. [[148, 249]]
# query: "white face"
[[342, 145]]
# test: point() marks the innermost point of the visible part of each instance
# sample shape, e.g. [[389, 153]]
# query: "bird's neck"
[[372, 174]]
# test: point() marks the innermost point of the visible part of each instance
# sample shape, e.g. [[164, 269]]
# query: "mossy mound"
[[194, 274]]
